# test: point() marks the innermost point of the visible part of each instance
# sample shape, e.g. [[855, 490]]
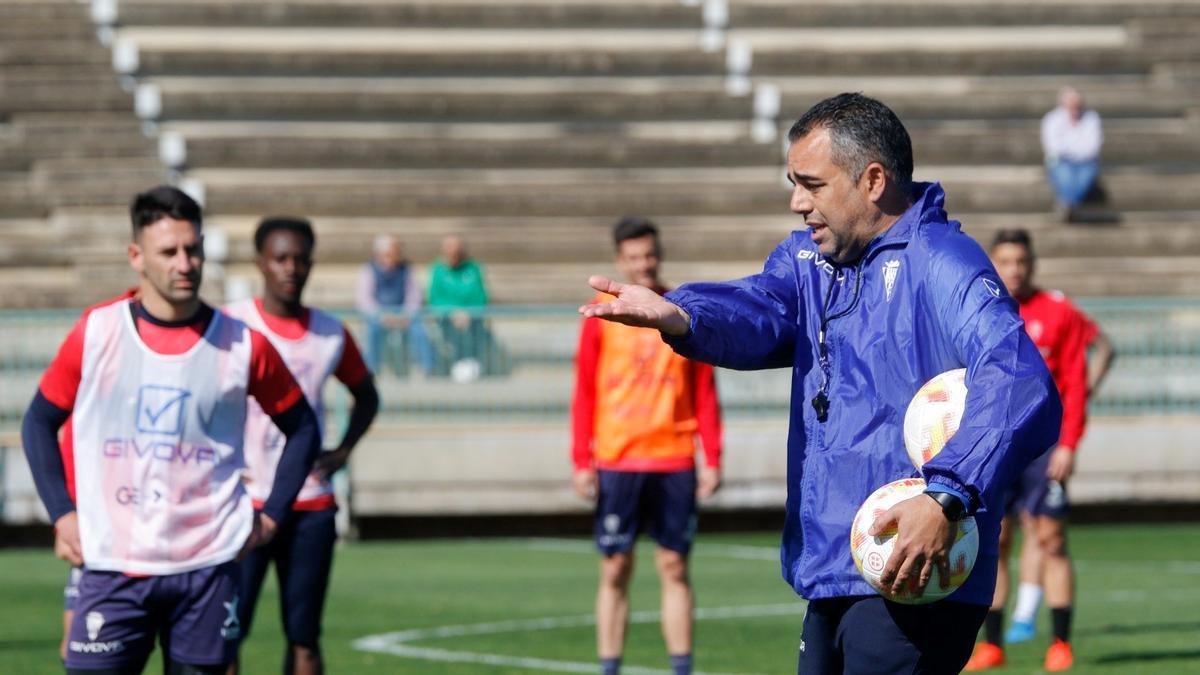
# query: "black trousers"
[[861, 635]]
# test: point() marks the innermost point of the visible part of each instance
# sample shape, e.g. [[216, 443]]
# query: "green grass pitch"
[[522, 606]]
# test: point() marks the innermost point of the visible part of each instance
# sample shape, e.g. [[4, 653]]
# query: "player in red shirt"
[[638, 410], [1064, 336], [156, 388], [315, 345]]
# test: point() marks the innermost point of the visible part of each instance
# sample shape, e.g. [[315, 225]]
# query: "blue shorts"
[[71, 590], [663, 504], [303, 554], [869, 635], [1036, 495], [117, 617]]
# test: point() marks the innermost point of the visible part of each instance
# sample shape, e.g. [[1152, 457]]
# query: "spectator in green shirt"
[[455, 280], [457, 295]]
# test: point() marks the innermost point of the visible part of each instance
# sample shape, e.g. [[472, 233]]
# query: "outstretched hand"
[[637, 306]]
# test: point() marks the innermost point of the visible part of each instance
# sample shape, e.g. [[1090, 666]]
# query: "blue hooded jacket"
[[922, 299]]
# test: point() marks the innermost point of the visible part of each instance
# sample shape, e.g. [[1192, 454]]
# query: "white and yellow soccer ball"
[[934, 414], [871, 553]]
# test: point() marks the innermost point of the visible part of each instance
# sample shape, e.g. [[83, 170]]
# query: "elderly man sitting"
[[389, 298], [1071, 139]]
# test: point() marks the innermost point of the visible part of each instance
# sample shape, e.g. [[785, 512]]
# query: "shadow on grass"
[[1149, 656], [17, 645], [1143, 628]]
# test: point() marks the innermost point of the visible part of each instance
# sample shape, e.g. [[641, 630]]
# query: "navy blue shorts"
[[1036, 495], [862, 635], [194, 615], [662, 504], [71, 590], [303, 554]]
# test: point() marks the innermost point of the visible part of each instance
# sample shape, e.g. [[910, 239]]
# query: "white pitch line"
[[397, 642]]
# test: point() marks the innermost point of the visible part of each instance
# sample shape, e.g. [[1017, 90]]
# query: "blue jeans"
[[1072, 179], [381, 346]]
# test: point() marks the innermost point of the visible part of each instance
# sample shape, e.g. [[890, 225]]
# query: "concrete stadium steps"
[[41, 52], [698, 238], [418, 196], [998, 142], [428, 13], [489, 99], [774, 13], [316, 145], [925, 100], [370, 51], [363, 52], [1033, 61], [581, 149], [581, 193], [77, 182], [609, 100], [43, 245], [671, 13], [41, 10], [20, 149], [26, 28]]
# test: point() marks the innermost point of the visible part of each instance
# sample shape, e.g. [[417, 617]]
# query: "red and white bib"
[[312, 359], [158, 447]]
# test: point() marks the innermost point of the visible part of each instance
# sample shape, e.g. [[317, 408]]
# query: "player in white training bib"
[[315, 346], [156, 387]]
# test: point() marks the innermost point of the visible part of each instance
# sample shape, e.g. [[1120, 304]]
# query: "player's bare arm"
[[584, 483], [708, 481], [1100, 362]]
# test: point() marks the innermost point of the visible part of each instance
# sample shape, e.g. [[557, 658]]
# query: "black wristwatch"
[[952, 507]]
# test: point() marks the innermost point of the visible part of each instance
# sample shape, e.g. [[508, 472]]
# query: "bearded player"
[[156, 388]]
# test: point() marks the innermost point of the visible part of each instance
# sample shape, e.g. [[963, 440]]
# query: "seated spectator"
[[457, 296], [1071, 139], [389, 298]]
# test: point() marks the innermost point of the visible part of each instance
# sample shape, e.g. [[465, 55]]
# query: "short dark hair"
[[634, 227], [862, 130], [300, 226], [1015, 235], [164, 201]]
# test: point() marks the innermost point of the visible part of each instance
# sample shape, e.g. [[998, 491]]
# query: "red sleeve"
[[708, 412], [1088, 330], [60, 382], [351, 370], [271, 383], [1072, 380], [583, 408]]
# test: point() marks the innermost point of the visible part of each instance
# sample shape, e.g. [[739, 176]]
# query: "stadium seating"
[[529, 126]]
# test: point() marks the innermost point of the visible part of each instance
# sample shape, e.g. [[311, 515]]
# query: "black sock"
[[1061, 616], [610, 666], [681, 664], [993, 627]]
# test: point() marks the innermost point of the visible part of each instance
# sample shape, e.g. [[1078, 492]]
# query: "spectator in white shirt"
[[389, 298], [1071, 139]]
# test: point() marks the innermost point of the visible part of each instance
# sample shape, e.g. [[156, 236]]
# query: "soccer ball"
[[934, 414], [871, 553]]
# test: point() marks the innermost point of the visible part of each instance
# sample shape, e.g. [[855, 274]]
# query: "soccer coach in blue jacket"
[[877, 296]]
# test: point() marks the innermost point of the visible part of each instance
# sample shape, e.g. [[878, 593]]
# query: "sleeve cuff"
[[939, 486]]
